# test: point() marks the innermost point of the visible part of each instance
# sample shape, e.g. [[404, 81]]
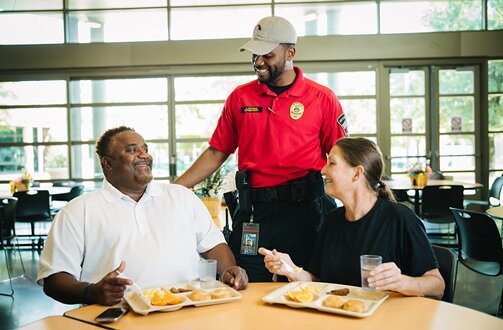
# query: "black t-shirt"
[[390, 230]]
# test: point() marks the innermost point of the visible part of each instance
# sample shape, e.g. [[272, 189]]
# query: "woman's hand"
[[386, 276], [275, 261]]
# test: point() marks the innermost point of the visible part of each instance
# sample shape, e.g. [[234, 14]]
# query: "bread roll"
[[356, 306], [333, 302], [220, 293], [198, 295]]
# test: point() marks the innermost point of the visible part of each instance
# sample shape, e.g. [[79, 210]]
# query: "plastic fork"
[[289, 268], [134, 283]]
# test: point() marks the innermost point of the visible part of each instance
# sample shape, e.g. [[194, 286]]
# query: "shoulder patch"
[[343, 123], [250, 109]]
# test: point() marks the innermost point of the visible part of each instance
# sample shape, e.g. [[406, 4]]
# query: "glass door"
[[433, 115], [408, 118], [456, 107]]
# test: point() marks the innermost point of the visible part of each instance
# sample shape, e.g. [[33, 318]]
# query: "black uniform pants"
[[287, 226]]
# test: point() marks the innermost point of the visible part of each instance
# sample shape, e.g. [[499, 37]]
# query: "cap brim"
[[259, 47]]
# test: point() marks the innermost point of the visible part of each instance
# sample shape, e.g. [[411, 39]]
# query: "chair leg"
[[500, 307], [7, 264], [20, 256], [455, 278]]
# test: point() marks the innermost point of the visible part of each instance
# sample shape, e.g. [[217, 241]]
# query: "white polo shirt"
[[159, 237]]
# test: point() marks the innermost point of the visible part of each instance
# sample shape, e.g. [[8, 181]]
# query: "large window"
[[495, 115], [198, 104], [33, 129], [48, 22], [356, 91], [36, 117]]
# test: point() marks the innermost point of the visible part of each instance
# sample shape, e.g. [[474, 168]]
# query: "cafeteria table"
[[496, 212], [405, 185], [250, 312], [59, 323]]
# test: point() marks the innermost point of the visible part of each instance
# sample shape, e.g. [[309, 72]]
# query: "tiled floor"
[[30, 303]]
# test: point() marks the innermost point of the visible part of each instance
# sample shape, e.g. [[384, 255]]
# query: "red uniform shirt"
[[280, 137]]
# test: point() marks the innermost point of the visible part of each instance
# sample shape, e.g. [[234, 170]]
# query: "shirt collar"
[[112, 194], [297, 88]]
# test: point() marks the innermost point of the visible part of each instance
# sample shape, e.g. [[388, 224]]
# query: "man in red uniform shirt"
[[284, 125]]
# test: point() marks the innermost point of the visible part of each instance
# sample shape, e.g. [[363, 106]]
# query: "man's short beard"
[[273, 75]]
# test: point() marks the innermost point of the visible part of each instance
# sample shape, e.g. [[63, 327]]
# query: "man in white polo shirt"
[[130, 230]]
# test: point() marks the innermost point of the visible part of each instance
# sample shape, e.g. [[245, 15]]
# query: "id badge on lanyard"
[[249, 238]]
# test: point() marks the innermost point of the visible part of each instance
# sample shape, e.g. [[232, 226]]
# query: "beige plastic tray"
[[371, 299], [141, 304]]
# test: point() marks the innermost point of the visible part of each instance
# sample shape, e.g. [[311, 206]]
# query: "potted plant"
[[210, 193], [418, 173], [22, 183]]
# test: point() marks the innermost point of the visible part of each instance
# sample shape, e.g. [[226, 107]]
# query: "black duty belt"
[[309, 187]]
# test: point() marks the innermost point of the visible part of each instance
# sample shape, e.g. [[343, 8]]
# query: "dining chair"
[[75, 191], [480, 247], [438, 220], [8, 238], [495, 198], [33, 206], [447, 267]]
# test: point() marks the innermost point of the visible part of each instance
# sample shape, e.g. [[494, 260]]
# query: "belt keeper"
[[298, 190], [271, 194]]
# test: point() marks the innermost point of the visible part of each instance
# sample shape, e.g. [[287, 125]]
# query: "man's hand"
[[111, 288], [235, 277]]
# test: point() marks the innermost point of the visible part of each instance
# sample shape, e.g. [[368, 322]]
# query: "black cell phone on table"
[[111, 315]]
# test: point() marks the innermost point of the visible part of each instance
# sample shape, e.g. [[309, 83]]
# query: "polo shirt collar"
[[297, 89], [112, 194]]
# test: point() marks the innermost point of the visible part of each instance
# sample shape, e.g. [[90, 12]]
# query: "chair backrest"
[[64, 183], [495, 192], [7, 217], [75, 192], [33, 205], [479, 238], [447, 267], [436, 200], [436, 175]]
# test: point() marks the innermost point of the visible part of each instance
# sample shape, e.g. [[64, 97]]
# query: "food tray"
[[371, 299], [141, 304]]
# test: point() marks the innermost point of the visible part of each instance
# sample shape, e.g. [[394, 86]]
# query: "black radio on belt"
[[244, 190]]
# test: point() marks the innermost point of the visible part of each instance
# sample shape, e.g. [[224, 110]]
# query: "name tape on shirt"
[[343, 123], [251, 109]]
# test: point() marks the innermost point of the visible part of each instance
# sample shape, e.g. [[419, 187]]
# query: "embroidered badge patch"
[[296, 110], [343, 122], [251, 109]]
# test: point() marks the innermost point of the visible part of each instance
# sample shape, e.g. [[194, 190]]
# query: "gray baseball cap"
[[268, 34]]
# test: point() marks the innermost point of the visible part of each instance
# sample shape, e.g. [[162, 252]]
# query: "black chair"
[[438, 220], [7, 236], [447, 267], [64, 184], [494, 198], [480, 247], [33, 206], [75, 191]]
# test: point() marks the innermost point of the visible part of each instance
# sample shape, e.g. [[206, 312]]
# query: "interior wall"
[[18, 58]]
